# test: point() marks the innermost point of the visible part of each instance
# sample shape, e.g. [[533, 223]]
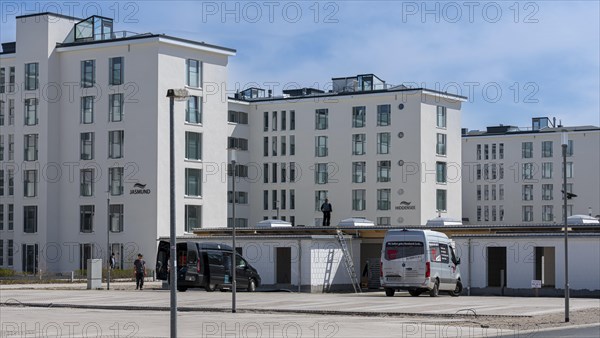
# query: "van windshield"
[[396, 250]]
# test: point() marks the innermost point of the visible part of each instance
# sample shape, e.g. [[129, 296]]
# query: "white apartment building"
[[515, 175], [390, 154], [84, 141]]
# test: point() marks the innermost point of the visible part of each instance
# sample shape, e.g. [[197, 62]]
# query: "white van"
[[419, 261]]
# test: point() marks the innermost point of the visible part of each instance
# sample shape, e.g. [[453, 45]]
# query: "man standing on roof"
[[326, 209]]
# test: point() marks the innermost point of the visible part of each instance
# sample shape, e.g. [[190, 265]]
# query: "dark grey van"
[[206, 265]]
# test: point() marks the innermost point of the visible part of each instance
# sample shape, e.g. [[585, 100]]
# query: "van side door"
[[162, 260], [446, 274], [215, 263]]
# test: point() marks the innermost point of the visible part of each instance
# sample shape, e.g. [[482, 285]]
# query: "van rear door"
[[162, 260], [405, 260]]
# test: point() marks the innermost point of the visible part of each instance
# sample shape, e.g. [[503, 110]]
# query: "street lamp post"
[[565, 143], [179, 95], [234, 253]]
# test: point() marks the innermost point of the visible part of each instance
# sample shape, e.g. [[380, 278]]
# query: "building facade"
[[515, 176], [84, 141], [388, 154]]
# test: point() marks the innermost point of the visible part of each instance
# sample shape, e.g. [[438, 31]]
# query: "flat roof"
[[570, 129], [49, 13]]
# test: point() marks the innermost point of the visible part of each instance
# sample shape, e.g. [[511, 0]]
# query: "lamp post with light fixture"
[[173, 95], [233, 158], [565, 144]]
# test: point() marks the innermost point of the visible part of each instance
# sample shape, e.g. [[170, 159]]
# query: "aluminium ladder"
[[348, 262]]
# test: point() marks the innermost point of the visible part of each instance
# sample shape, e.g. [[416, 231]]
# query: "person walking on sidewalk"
[[326, 209], [139, 269]]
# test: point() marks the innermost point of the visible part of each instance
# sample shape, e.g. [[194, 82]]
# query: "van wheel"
[[209, 288], [181, 289], [436, 289], [415, 293], [251, 285], [390, 292], [457, 290]]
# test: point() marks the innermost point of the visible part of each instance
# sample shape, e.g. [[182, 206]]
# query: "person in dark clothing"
[[139, 269], [112, 261], [326, 209]]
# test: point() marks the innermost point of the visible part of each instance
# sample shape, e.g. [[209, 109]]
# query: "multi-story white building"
[[515, 176], [390, 154], [84, 141]]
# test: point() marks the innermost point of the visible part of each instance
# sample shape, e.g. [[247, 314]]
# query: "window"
[[527, 171], [274, 121], [547, 213], [358, 116], [527, 192], [384, 221], [193, 112], [358, 144], [384, 199], [115, 107], [116, 181], [479, 192], [193, 146], [359, 199], [486, 171], [486, 152], [1, 252], [527, 149], [359, 172], [265, 146], [274, 145], [292, 172], [193, 73], [569, 169], [265, 199], [30, 183], [478, 171], [86, 146], [441, 144], [569, 210], [31, 115], [265, 172], [192, 182], [527, 213], [440, 172], [501, 192], [501, 170], [11, 182], [486, 192], [11, 112], [547, 192], [31, 76], [116, 217], [237, 143], [479, 213], [292, 199], [10, 252], [501, 213], [570, 148], [2, 81], [86, 179], [494, 171], [479, 152], [547, 170], [31, 147], [292, 120], [11, 80], [493, 189], [569, 189], [11, 218], [193, 217], [30, 219], [383, 115], [494, 214], [238, 117], [2, 114], [274, 201], [87, 109], [115, 143], [486, 213], [383, 171], [321, 173], [320, 196], [321, 146], [383, 143], [266, 121], [292, 145], [241, 197], [321, 119], [547, 149], [283, 120], [1, 184], [86, 218], [283, 172], [88, 76], [1, 219], [441, 117], [494, 146], [115, 66], [273, 172], [501, 151], [283, 146]]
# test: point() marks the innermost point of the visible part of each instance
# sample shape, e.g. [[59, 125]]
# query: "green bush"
[[7, 272]]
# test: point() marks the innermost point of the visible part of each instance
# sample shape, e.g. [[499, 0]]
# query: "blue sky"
[[514, 60]]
